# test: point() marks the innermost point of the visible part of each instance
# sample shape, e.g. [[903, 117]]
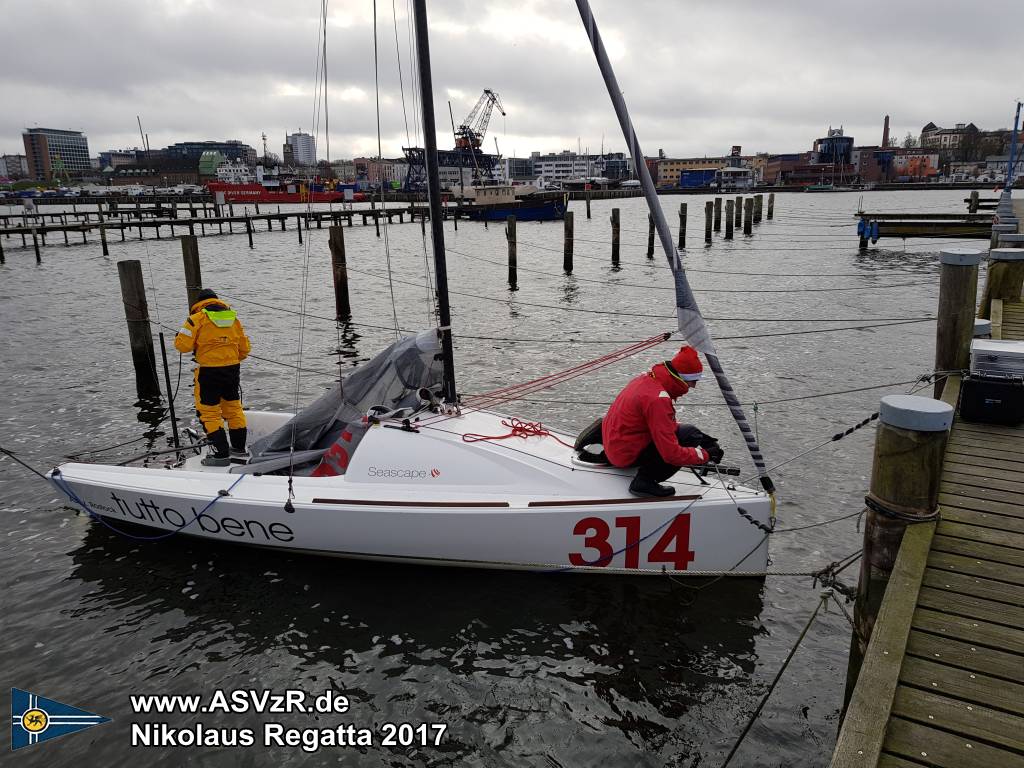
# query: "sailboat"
[[391, 466]]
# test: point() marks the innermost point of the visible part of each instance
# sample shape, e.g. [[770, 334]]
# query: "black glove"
[[715, 453]]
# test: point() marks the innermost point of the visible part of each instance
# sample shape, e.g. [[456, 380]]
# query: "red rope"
[[518, 428]]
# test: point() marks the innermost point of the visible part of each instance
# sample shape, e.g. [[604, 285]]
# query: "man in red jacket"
[[640, 428]]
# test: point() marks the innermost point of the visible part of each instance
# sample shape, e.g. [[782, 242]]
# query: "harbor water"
[[524, 669]]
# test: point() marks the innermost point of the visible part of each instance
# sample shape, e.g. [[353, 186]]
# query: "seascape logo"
[[35, 719], [435, 472], [401, 473]]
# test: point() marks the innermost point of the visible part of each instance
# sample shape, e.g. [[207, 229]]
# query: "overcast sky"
[[698, 75]]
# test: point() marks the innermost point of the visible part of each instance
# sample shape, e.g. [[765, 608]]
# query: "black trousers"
[[650, 466]]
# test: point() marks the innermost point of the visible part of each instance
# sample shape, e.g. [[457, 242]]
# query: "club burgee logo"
[[36, 718]]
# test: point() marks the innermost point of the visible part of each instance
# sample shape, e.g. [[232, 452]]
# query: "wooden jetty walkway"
[[958, 225], [942, 680]]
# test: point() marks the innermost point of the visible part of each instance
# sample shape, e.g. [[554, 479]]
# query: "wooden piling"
[[739, 211], [35, 246], [909, 447], [708, 215], [758, 208], [193, 275], [972, 205], [748, 216], [568, 240], [510, 236], [1005, 278], [298, 228], [136, 313], [771, 206], [650, 236], [336, 243], [730, 205], [248, 229], [682, 226], [718, 214], [615, 237], [958, 292], [376, 223], [2, 259]]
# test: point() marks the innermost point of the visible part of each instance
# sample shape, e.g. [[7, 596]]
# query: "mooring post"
[[588, 203], [739, 211], [257, 209], [972, 205], [708, 215], [35, 245], [682, 226], [193, 275], [909, 446], [650, 236], [718, 214], [568, 239], [136, 313], [1005, 278], [998, 230], [730, 205], [510, 236], [758, 208], [248, 229], [376, 222], [771, 206], [336, 242], [748, 216], [298, 228], [958, 293], [2, 259], [615, 237]]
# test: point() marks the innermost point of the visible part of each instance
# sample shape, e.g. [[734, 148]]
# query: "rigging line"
[[616, 284], [327, 120], [380, 172], [789, 657], [609, 312]]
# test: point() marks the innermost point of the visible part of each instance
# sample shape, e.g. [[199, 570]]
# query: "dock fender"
[[861, 226], [874, 231]]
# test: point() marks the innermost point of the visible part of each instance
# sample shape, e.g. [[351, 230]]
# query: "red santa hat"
[[687, 364]]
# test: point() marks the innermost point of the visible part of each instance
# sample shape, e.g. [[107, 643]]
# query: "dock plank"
[[969, 607], [966, 474], [975, 631], [978, 549], [943, 649], [957, 511], [960, 684], [987, 589], [990, 492], [959, 717], [972, 566], [932, 747], [967, 530]]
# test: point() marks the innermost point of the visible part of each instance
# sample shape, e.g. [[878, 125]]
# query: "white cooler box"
[[997, 357]]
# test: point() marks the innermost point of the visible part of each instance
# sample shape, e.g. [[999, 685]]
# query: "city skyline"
[[696, 80]]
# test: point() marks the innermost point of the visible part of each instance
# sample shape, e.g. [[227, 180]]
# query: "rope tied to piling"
[[903, 513]]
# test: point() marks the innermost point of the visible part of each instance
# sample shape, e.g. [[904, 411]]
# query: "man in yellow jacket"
[[218, 342]]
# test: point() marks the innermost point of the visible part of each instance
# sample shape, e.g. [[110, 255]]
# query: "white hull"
[[430, 497]]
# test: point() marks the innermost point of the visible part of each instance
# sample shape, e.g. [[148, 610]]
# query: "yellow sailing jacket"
[[214, 334]]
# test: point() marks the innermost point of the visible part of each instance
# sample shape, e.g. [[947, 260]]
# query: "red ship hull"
[[257, 193]]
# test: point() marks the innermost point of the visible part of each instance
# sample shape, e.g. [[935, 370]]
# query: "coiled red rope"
[[518, 428]]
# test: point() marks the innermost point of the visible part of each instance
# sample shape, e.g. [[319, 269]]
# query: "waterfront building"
[[835, 148], [14, 166], [50, 149], [916, 164], [942, 139], [303, 148], [344, 170], [517, 169], [209, 162], [669, 170], [116, 158], [232, 149], [235, 173], [733, 179]]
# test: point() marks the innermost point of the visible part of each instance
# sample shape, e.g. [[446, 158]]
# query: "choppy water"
[[524, 669]]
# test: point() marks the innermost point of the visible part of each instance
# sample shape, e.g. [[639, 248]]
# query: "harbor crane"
[[470, 134]]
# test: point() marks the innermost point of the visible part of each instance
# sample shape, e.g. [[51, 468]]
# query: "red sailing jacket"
[[643, 413]]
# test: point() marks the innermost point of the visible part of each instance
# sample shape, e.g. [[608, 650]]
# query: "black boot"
[[238, 441], [641, 486], [219, 455]]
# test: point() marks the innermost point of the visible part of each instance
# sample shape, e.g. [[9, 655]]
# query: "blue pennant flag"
[[36, 718]]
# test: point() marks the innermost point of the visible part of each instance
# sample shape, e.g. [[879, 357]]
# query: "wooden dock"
[[953, 225], [942, 683]]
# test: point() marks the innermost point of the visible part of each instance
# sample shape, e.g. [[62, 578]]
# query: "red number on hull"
[[672, 547]]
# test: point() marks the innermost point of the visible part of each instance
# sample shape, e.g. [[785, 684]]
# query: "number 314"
[[672, 547]]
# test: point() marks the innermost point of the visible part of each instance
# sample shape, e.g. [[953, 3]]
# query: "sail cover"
[[330, 428]]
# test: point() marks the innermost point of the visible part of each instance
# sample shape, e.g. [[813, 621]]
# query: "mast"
[[691, 323], [1013, 151], [434, 197]]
